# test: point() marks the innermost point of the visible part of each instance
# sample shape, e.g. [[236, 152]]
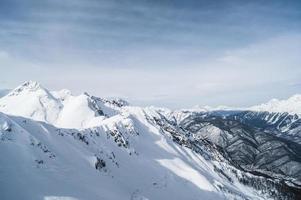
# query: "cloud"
[[137, 32], [237, 74], [4, 55], [154, 52]]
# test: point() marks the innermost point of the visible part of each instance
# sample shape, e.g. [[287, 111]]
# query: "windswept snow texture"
[[57, 146]]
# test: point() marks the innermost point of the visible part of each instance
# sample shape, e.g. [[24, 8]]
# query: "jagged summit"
[[28, 86], [60, 108]]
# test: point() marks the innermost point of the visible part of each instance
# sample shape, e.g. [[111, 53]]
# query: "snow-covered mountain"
[[291, 105], [59, 146], [59, 108]]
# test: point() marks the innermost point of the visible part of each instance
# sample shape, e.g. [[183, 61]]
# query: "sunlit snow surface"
[[41, 160], [180, 168], [108, 151]]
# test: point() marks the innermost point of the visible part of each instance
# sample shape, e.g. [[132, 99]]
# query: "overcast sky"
[[162, 52]]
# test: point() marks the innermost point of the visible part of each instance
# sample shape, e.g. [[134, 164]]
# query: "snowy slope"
[[110, 151], [124, 158]]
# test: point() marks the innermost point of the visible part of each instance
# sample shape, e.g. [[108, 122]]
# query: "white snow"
[[187, 172], [76, 113], [291, 105], [138, 161], [41, 163], [31, 100], [59, 108]]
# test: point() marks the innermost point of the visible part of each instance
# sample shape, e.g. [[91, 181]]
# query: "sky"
[[168, 53]]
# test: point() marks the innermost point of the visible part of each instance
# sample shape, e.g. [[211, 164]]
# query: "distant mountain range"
[[56, 145]]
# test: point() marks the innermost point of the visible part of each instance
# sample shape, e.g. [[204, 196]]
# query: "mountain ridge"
[[187, 154]]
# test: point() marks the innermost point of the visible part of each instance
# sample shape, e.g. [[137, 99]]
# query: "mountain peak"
[[291, 105], [30, 84], [27, 86], [60, 108]]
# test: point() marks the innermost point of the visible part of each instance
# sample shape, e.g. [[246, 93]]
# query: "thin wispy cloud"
[[166, 53]]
